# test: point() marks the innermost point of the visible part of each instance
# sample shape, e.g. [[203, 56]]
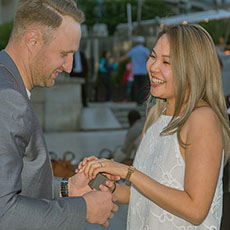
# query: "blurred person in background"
[[105, 68], [139, 55], [80, 69], [127, 152]]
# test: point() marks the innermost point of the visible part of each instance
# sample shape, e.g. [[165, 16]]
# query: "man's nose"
[[68, 64]]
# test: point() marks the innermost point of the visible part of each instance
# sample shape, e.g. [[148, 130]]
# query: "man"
[[45, 35], [80, 69], [139, 54]]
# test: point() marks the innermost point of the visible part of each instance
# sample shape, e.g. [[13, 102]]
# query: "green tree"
[[88, 6], [5, 31], [217, 29], [115, 12]]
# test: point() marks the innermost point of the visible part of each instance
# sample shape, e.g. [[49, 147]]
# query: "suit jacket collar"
[[7, 62]]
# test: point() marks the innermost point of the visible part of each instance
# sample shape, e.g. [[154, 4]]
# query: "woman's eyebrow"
[[164, 55], [167, 56]]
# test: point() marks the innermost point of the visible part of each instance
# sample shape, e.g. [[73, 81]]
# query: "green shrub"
[[216, 28]]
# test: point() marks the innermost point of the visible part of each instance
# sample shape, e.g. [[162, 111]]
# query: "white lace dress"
[[159, 157]]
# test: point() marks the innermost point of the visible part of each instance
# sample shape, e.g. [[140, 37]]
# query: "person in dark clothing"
[[80, 69]]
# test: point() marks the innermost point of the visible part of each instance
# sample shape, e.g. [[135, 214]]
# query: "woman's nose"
[[154, 66]]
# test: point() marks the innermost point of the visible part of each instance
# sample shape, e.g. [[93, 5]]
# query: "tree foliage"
[[217, 29], [113, 12], [5, 31]]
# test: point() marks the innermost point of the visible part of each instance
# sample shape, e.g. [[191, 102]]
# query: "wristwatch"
[[131, 170], [64, 187]]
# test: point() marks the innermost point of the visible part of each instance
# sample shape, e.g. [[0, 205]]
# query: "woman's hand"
[[111, 168], [84, 162]]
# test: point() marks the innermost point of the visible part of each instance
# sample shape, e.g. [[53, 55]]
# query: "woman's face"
[[160, 70]]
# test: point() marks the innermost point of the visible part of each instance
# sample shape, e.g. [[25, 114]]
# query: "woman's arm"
[[203, 135], [122, 192]]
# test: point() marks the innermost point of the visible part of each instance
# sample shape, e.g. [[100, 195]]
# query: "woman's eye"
[[166, 62], [152, 56]]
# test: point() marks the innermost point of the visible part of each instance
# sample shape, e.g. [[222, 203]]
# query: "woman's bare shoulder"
[[203, 117], [204, 114]]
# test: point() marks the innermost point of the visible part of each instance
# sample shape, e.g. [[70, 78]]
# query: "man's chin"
[[52, 79], [50, 83]]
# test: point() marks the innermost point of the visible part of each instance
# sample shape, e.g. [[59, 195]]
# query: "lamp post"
[[139, 13], [129, 17]]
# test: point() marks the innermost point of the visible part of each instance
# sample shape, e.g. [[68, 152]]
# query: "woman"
[[176, 181]]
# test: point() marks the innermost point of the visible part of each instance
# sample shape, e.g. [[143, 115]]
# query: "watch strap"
[[64, 187]]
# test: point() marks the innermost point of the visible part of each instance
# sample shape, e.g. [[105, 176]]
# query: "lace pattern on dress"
[[159, 157]]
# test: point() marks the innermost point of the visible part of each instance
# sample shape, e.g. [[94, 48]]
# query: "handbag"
[[62, 167]]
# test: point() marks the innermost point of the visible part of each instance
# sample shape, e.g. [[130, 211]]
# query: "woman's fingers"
[[97, 167], [91, 167], [84, 162], [91, 158], [115, 169], [106, 166], [80, 165]]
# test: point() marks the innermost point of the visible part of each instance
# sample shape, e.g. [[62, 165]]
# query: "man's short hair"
[[46, 14]]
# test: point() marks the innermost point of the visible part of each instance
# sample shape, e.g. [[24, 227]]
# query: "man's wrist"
[[64, 187]]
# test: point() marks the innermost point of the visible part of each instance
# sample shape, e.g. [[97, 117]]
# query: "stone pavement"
[[100, 130]]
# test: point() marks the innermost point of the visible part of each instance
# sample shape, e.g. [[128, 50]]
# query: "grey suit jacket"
[[27, 185]]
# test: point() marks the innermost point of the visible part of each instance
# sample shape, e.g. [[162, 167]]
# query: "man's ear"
[[33, 40]]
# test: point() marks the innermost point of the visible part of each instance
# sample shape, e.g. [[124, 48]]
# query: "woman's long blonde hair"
[[195, 64]]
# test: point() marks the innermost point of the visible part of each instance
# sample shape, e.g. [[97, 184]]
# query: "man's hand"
[[100, 206], [78, 185]]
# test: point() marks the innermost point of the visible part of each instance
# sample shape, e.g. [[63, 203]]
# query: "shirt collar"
[[28, 93]]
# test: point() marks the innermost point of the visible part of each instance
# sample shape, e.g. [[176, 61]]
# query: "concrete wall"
[[59, 108]]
